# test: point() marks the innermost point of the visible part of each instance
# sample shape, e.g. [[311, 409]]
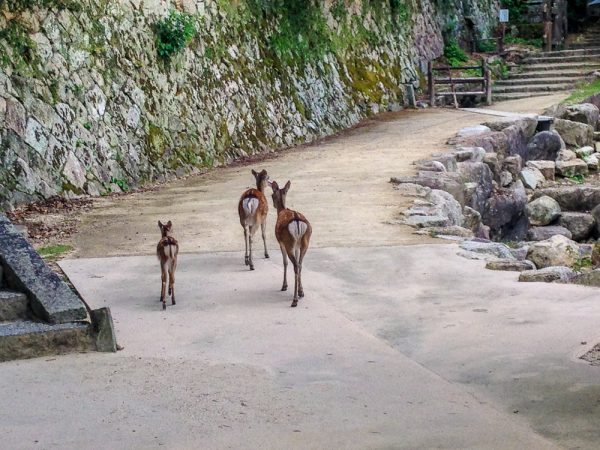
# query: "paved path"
[[394, 346]]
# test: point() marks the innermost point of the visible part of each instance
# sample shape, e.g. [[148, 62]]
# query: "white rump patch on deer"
[[297, 228], [250, 206]]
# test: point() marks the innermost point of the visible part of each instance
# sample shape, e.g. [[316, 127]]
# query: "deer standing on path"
[[167, 250], [253, 209], [293, 233]]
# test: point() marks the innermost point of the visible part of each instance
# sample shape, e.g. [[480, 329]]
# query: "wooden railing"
[[485, 81]]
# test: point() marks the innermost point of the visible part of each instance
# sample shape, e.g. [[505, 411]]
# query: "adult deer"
[[293, 233], [167, 250], [253, 209]]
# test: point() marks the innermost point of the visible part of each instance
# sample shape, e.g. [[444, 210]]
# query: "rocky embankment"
[[519, 193]]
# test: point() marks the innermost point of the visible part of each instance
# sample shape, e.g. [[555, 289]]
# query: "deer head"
[[165, 230], [280, 194], [262, 178]]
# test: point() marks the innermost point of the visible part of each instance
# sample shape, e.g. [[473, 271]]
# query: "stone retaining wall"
[[87, 107]]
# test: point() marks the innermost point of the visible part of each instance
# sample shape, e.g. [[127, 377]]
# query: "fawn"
[[293, 233], [167, 250], [253, 209]]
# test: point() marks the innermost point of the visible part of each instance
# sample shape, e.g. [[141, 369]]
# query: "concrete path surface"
[[395, 346]]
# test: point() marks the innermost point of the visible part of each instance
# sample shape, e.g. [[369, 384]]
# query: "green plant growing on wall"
[[515, 8], [22, 5], [174, 33], [454, 54]]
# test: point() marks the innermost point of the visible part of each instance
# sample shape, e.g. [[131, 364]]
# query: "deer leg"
[[250, 237], [172, 282], [284, 286], [300, 288], [163, 269], [295, 263], [263, 226], [246, 258]]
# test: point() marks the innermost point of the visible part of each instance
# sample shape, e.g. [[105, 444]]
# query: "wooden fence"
[[442, 76]]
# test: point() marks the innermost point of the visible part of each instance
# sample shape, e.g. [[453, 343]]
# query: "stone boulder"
[[581, 225], [572, 198], [556, 251], [510, 265], [592, 161], [543, 211], [544, 146], [531, 177], [445, 181], [543, 233], [472, 131], [505, 213], [506, 178], [439, 209], [526, 124], [566, 155], [447, 159], [473, 154], [557, 274], [584, 152], [591, 278], [513, 164], [494, 249], [574, 133], [547, 168], [492, 161], [478, 180], [571, 168], [585, 113], [596, 216]]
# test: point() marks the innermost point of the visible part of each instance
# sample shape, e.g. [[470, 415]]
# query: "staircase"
[[546, 73]]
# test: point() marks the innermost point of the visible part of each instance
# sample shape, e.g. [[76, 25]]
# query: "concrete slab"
[[232, 365]]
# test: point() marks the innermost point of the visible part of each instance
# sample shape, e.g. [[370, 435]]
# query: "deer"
[[253, 209], [167, 250], [293, 232]]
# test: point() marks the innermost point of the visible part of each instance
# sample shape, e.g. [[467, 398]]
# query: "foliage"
[[454, 54], [499, 68], [577, 179], [53, 251], [582, 92], [534, 42], [583, 263], [22, 46], [121, 183], [486, 46], [22, 5], [174, 33]]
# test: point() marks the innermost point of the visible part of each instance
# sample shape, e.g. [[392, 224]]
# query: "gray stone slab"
[[50, 298], [13, 306]]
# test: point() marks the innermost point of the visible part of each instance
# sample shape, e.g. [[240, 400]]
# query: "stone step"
[[533, 88], [542, 81], [560, 66], [13, 306], [556, 74], [591, 58], [582, 51], [499, 97], [23, 339]]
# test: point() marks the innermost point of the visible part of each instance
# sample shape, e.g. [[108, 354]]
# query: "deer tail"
[[250, 205]]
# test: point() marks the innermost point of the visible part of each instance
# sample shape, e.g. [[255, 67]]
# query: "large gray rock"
[[445, 181], [505, 213], [544, 146], [572, 198], [473, 154], [579, 224], [480, 175], [571, 168], [527, 124], [531, 177], [510, 265], [513, 164], [495, 249], [585, 113], [591, 278], [574, 133], [592, 161], [439, 209], [543, 211], [566, 155], [596, 216], [492, 161], [547, 168], [543, 233], [556, 251], [447, 159], [473, 131], [584, 152], [556, 274]]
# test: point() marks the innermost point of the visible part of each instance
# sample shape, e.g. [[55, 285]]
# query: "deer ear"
[[274, 186], [287, 186], [160, 225], [169, 224], [254, 173]]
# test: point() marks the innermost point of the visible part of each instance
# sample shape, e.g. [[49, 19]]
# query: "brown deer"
[[167, 250], [293, 233], [253, 209]]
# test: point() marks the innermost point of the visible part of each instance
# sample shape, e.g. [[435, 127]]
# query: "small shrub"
[[174, 33], [454, 54]]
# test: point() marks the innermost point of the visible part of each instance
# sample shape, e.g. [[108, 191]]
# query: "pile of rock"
[[507, 181]]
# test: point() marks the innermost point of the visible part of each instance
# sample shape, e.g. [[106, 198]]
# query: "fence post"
[[487, 84], [431, 84]]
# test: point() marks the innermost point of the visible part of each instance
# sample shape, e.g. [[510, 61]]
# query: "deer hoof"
[[284, 287], [266, 255], [294, 303], [251, 266], [164, 306], [300, 294], [173, 302], [247, 261]]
